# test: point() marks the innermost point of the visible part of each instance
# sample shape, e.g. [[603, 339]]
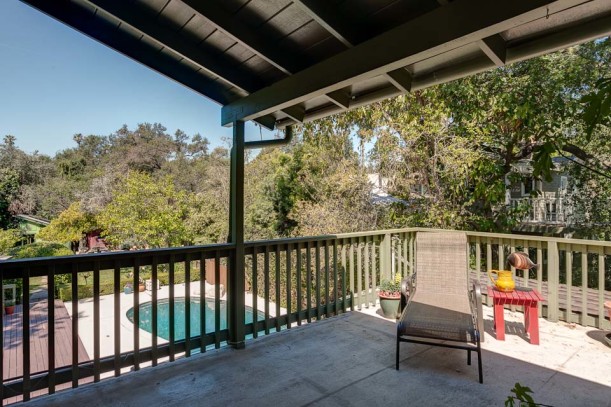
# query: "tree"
[[9, 186], [313, 186], [448, 151], [8, 239], [39, 249], [425, 163], [146, 212], [69, 226], [207, 219], [198, 147], [145, 149], [598, 105]]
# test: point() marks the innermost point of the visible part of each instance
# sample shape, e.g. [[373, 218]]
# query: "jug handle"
[[490, 275]]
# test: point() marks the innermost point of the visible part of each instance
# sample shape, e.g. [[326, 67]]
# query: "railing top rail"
[[304, 239], [149, 253], [601, 243], [272, 242], [116, 255]]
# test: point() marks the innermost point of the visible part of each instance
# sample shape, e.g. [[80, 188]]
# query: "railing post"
[[385, 258], [236, 279], [553, 280]]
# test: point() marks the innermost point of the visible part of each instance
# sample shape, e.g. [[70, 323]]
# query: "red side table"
[[528, 299]]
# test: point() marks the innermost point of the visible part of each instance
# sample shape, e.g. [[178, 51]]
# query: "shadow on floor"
[[342, 361], [599, 335]]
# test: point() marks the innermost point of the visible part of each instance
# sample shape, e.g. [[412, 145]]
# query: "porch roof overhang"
[[283, 62]]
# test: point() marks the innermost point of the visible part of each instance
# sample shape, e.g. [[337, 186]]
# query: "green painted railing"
[[288, 282]]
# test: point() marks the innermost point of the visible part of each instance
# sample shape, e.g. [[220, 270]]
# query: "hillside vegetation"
[[447, 153]]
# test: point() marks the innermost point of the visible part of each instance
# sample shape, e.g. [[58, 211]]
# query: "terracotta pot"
[[9, 309], [608, 308], [141, 287]]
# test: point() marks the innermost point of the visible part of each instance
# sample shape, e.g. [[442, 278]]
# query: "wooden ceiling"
[[279, 62]]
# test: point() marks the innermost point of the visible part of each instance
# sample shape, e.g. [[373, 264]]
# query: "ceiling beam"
[[578, 34], [85, 21], [495, 48], [214, 63], [340, 29], [246, 36], [340, 97], [401, 79], [330, 20], [296, 113], [467, 21]]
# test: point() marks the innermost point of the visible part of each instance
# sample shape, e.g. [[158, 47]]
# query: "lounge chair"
[[442, 309]]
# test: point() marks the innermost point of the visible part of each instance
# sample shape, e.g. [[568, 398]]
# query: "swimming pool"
[[163, 317]]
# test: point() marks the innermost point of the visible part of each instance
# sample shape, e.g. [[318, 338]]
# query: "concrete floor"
[[349, 361]]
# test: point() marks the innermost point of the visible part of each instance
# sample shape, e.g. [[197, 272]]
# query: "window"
[[564, 182], [551, 211], [527, 186]]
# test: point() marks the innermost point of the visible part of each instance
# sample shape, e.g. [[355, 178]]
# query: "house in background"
[[92, 242], [29, 226], [549, 211], [379, 190]]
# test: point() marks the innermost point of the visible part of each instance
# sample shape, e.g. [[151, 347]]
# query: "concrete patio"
[[349, 360]]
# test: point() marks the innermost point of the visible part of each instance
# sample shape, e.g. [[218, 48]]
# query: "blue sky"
[[56, 82]]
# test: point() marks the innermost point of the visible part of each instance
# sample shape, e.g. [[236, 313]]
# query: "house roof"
[[34, 219], [280, 62]]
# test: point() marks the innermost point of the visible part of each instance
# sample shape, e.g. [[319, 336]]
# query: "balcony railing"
[[289, 282], [545, 210]]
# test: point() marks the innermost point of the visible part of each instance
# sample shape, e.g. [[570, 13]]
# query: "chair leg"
[[469, 357], [397, 361], [479, 362]]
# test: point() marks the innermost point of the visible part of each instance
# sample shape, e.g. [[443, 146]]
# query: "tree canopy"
[[446, 153], [145, 212]]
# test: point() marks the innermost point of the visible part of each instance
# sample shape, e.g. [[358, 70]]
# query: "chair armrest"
[[476, 306], [405, 287], [408, 285], [412, 283]]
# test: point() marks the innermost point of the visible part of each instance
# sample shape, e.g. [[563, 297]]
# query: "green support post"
[[236, 280]]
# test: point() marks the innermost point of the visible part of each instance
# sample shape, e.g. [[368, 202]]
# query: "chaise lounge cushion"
[[437, 316]]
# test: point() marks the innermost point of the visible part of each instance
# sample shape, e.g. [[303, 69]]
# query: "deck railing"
[[289, 282], [547, 210], [573, 274]]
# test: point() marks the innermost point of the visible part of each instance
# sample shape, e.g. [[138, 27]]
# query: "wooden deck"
[[13, 345]]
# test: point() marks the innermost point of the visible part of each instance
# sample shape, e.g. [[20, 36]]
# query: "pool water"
[[163, 317]]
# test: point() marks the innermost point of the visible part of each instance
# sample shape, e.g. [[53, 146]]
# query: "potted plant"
[[141, 285], [390, 297], [128, 289], [9, 303]]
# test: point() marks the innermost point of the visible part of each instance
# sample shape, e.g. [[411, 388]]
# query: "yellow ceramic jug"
[[504, 282]]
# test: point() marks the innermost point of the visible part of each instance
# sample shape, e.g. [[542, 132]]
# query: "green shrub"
[[39, 249], [64, 287], [8, 239], [64, 292]]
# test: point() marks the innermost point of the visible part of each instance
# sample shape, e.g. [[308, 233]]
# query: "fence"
[[289, 282]]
